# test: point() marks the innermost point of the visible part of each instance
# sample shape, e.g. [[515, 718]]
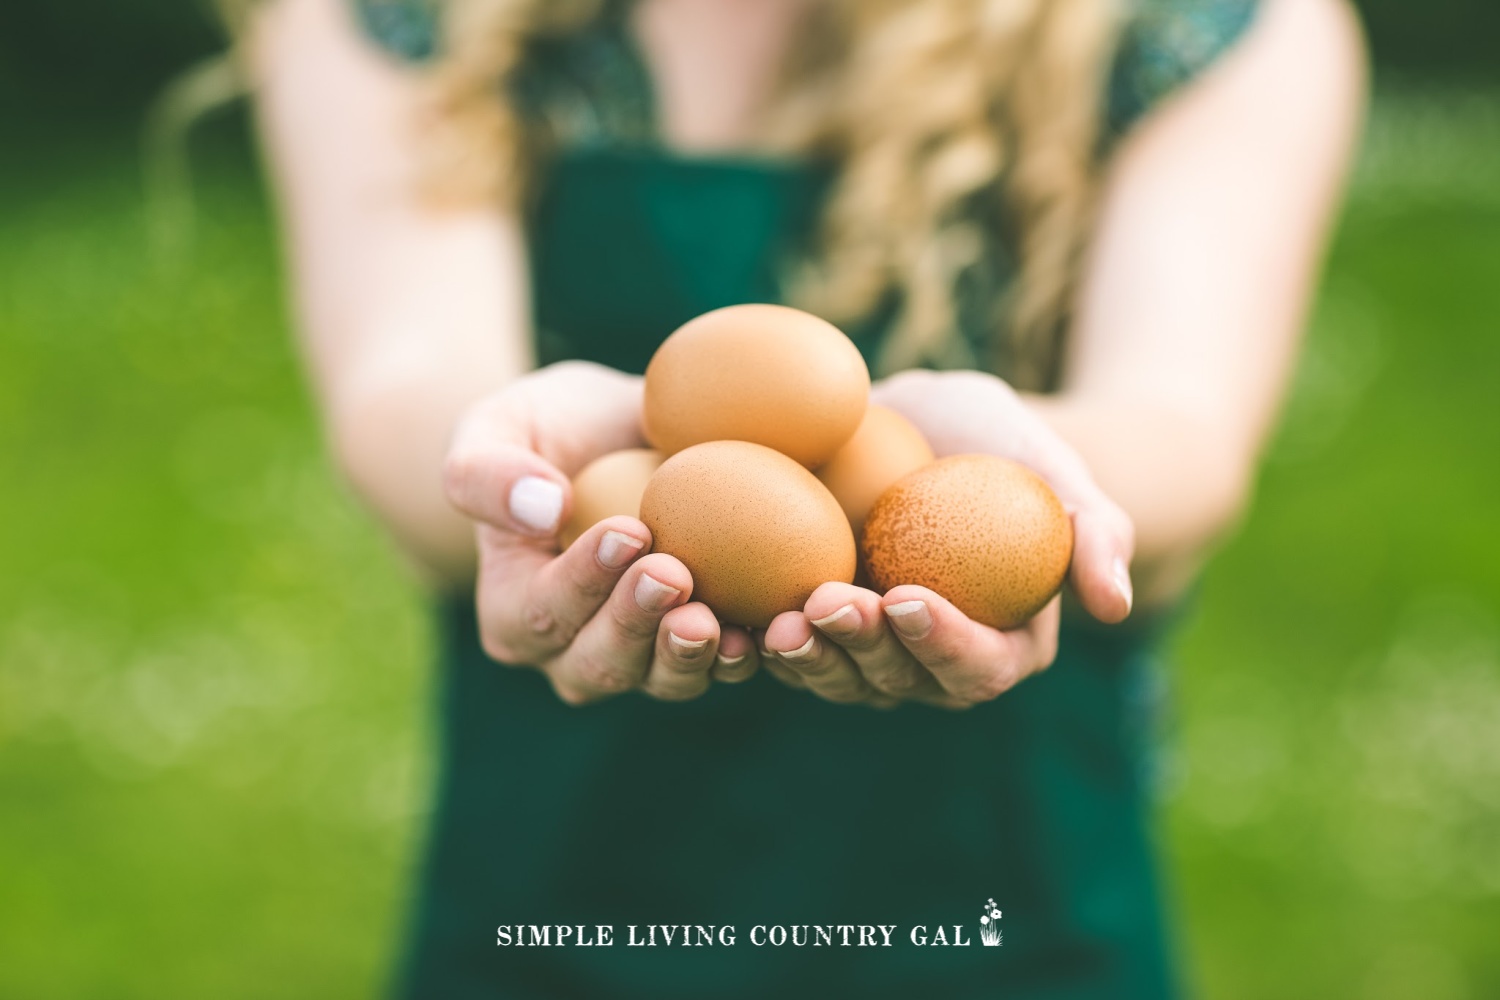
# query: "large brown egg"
[[885, 448], [768, 374], [609, 485], [758, 532], [984, 532]]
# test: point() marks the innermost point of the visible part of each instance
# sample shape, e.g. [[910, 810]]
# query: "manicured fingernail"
[[616, 549], [806, 651], [910, 618], [844, 621], [536, 503], [654, 596], [685, 647], [1121, 574]]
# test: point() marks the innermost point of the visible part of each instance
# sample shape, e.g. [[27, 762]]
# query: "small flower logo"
[[989, 925]]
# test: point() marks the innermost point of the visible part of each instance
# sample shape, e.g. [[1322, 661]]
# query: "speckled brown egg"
[[984, 532], [609, 485], [758, 532], [884, 448], [767, 374]]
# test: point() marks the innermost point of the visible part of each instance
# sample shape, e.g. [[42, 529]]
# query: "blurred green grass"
[[213, 670]]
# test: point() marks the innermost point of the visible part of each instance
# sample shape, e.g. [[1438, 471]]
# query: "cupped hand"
[[849, 644], [607, 615]]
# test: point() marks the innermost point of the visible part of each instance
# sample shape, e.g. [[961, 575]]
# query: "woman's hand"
[[852, 645], [603, 617]]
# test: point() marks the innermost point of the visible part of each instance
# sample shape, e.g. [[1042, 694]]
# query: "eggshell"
[[609, 485], [758, 532], [884, 448], [986, 533], [767, 374]]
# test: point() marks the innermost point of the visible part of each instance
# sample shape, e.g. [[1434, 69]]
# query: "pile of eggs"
[[768, 462]]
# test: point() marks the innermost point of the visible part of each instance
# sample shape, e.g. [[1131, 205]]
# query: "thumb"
[[1100, 572], [505, 485]]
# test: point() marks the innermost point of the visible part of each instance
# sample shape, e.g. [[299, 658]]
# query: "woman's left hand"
[[850, 644]]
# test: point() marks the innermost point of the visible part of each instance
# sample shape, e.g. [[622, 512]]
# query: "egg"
[[766, 374], [758, 532], [984, 532], [884, 448], [609, 485]]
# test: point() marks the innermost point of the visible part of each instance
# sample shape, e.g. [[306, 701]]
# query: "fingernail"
[[731, 661], [1121, 574], [653, 595], [844, 621], [910, 618], [536, 503], [806, 651], [617, 548], [685, 647]]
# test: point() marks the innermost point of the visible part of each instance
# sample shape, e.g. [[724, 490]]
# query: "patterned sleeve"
[[1165, 43], [407, 29]]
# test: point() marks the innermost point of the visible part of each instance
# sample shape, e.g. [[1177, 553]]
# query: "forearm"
[[389, 434], [1211, 227], [407, 311]]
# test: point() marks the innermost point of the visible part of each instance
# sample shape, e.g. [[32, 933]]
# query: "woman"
[[1119, 212]]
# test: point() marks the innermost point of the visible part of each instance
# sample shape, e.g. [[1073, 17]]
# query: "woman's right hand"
[[607, 615]]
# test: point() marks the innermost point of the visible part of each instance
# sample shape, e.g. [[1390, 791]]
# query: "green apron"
[[759, 805]]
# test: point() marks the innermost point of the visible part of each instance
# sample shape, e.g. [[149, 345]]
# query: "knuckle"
[[604, 676], [678, 691], [538, 618], [544, 627], [570, 695], [987, 686], [843, 691], [942, 661], [495, 646], [899, 681]]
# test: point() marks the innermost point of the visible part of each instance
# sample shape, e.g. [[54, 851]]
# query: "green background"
[[214, 689]]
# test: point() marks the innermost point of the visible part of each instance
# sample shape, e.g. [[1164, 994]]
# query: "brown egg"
[[609, 485], [767, 374], [758, 532], [885, 448], [984, 532]]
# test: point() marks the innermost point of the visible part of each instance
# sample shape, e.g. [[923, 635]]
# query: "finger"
[[774, 666], [1100, 570], [851, 617], [687, 642], [613, 650], [823, 666], [504, 484], [1103, 534], [532, 604], [972, 662], [737, 658]]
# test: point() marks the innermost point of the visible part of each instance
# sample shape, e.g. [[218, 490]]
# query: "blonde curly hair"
[[952, 121], [954, 124]]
